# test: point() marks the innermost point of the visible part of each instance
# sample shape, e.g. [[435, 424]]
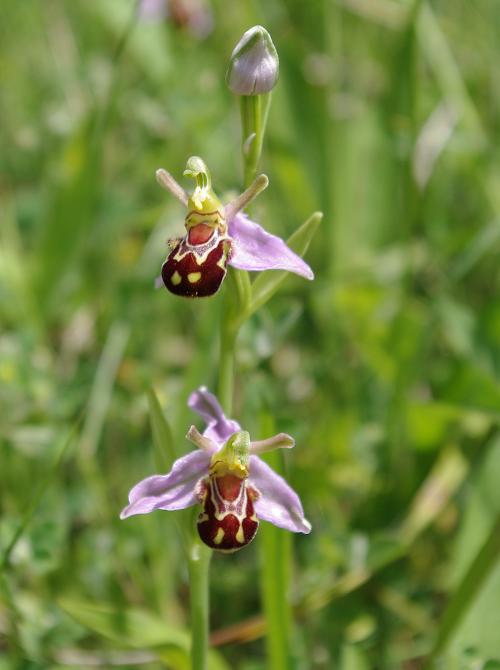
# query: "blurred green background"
[[386, 369]]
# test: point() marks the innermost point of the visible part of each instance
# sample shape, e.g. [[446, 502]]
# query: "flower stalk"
[[227, 338], [254, 113]]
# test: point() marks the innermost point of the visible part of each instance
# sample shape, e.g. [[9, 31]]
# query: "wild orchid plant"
[[224, 475]]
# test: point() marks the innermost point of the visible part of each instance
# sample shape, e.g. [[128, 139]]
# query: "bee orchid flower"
[[224, 475], [218, 236]]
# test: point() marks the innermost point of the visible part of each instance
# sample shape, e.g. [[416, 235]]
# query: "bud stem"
[[254, 112]]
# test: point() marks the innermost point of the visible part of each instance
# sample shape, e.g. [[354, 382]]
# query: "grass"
[[385, 369]]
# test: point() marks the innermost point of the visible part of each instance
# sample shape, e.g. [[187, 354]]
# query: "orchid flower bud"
[[254, 65]]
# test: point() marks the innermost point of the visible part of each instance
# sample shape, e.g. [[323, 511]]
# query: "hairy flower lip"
[[277, 502]]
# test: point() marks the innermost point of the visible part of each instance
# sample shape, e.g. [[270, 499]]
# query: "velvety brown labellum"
[[228, 521], [196, 271]]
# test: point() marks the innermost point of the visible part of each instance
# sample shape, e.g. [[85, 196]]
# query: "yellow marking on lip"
[[176, 278], [240, 536], [219, 536], [193, 277]]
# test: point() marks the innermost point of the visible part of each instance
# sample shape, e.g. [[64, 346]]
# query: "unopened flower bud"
[[254, 65]]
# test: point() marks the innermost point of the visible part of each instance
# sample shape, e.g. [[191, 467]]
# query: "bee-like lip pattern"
[[227, 521], [196, 271]]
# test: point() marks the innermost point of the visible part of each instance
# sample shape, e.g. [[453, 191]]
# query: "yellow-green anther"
[[203, 199], [234, 455], [197, 168]]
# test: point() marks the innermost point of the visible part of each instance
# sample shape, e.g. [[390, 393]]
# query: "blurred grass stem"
[[276, 554]]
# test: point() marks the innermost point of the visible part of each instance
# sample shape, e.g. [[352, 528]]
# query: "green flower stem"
[[237, 298], [228, 335], [254, 112], [199, 585], [275, 544], [199, 554]]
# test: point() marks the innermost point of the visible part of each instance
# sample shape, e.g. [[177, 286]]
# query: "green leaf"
[[130, 627], [441, 484], [481, 568], [32, 507], [473, 387], [163, 440], [477, 633], [138, 629], [428, 422], [353, 658], [267, 283]]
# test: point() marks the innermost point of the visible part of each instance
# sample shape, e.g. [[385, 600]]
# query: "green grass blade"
[[276, 557], [163, 440], [33, 505], [474, 579], [139, 629], [100, 395]]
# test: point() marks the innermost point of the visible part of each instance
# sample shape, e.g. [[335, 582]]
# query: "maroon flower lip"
[[200, 234]]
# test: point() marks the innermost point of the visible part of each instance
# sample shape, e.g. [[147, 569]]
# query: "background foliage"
[[386, 369]]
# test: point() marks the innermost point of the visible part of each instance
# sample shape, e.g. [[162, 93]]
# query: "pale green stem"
[[275, 545], [254, 111], [228, 335], [236, 300], [199, 554], [199, 585]]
